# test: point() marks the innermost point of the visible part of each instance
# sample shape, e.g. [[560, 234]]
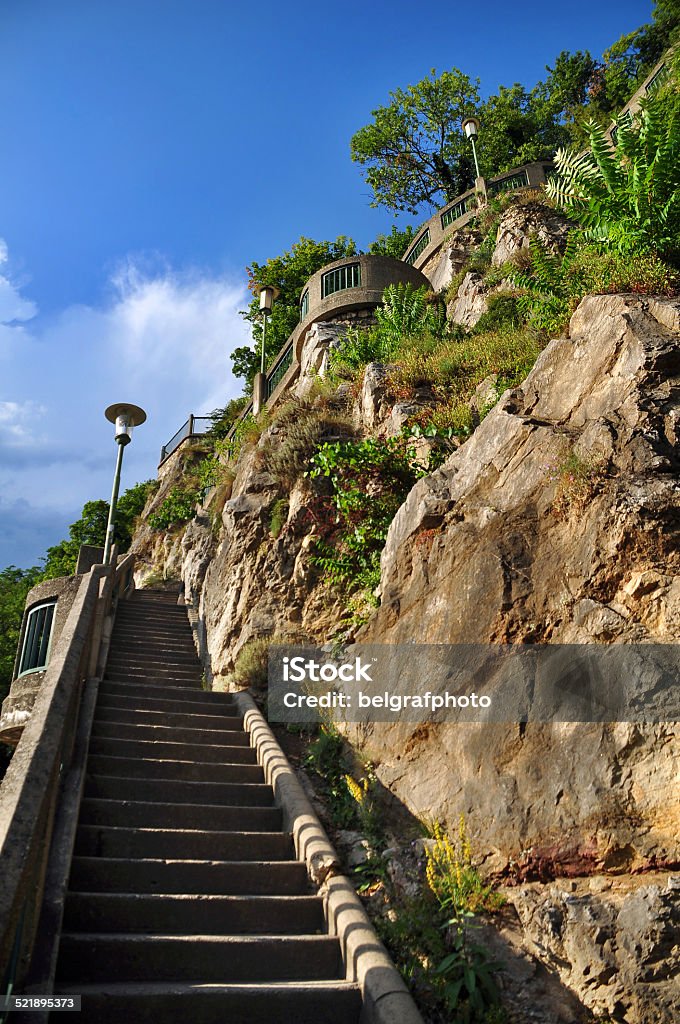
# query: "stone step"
[[110, 712], [206, 817], [200, 752], [143, 731], [175, 844], [140, 627], [311, 1002], [213, 697], [224, 958], [163, 674], [202, 915], [225, 878], [175, 791], [136, 633], [108, 698], [147, 659], [166, 769]]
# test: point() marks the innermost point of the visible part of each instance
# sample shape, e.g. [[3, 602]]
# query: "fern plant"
[[627, 195], [546, 301], [407, 311]]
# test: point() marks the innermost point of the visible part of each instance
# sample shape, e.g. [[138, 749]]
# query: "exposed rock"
[[454, 254], [516, 552], [521, 223], [503, 566], [373, 404], [616, 950], [470, 301], [320, 338]]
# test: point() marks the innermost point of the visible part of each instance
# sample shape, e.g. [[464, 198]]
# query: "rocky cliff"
[[556, 521]]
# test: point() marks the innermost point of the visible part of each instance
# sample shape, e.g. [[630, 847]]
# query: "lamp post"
[[268, 293], [471, 129], [125, 417]]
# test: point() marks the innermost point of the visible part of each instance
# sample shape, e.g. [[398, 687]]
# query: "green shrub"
[[359, 347], [554, 283], [278, 517], [305, 431], [628, 196], [252, 663], [502, 310], [223, 419], [370, 479], [178, 507]]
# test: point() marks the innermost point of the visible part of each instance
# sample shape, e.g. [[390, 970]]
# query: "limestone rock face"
[[443, 267], [617, 950], [314, 356], [470, 301], [521, 223], [518, 551]]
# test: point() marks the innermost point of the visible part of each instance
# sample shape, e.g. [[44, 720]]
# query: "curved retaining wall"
[[377, 272]]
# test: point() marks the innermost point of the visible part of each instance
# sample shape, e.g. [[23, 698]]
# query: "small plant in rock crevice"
[[577, 478]]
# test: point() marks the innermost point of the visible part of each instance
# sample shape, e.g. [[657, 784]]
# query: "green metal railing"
[[513, 181], [194, 425], [420, 246], [658, 79], [340, 279], [459, 210], [279, 370]]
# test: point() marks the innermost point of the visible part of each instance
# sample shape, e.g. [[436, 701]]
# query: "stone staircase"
[[185, 899]]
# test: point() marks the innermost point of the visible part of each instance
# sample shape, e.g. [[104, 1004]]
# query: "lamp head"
[[125, 417], [268, 293], [471, 128]]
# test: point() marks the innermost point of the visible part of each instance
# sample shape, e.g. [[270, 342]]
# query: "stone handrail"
[[30, 791]]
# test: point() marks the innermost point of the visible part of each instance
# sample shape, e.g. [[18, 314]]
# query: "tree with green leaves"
[[395, 244], [288, 272], [414, 150], [14, 587], [90, 528]]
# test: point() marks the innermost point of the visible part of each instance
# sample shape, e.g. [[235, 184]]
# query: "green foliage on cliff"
[[414, 151], [369, 479], [287, 272], [628, 197]]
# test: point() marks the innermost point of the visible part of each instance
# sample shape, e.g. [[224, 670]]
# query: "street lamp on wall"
[[125, 417], [471, 128], [268, 295]]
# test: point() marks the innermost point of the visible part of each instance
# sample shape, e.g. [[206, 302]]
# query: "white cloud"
[[19, 419], [13, 306], [161, 339]]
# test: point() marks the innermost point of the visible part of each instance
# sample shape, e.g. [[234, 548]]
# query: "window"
[[36, 649], [338, 280], [658, 79], [420, 246], [304, 304]]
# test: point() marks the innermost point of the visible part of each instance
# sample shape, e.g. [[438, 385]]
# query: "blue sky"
[[153, 149]]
